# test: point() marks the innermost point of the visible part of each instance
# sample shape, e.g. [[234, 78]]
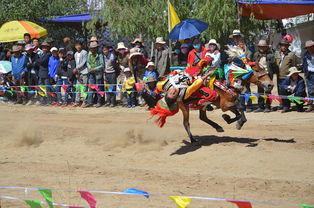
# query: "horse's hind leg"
[[230, 120], [204, 118]]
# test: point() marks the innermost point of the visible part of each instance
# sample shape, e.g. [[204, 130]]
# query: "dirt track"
[[270, 159]]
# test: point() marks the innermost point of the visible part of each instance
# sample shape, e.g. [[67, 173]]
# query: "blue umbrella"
[[187, 29]]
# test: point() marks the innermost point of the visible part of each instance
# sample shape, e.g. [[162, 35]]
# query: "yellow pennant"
[[182, 202], [43, 89], [173, 17], [253, 98], [264, 96]]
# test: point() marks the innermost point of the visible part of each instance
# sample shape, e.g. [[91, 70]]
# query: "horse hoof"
[[239, 126], [220, 130], [226, 118]]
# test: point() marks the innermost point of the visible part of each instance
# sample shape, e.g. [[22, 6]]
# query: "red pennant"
[[279, 99], [52, 94], [14, 87], [242, 204], [1, 92], [89, 198], [138, 86], [65, 87], [35, 87], [94, 87], [305, 100], [20, 92], [101, 93]]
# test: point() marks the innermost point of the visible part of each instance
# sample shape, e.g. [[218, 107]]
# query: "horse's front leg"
[[186, 123], [213, 124], [242, 120]]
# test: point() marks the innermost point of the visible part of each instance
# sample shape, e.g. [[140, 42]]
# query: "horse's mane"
[[234, 52]]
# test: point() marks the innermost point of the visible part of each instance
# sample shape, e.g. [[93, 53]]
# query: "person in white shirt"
[[82, 73], [213, 51]]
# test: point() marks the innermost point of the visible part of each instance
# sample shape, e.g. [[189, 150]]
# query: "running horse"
[[228, 95]]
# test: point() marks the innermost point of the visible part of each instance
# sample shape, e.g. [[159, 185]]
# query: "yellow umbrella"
[[14, 30]]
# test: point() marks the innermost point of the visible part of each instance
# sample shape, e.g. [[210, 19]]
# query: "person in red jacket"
[[196, 54]]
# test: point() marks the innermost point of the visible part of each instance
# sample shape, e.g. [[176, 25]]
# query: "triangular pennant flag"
[[238, 73], [111, 88], [253, 98], [36, 87], [256, 94], [52, 94], [31, 92], [101, 93], [293, 99], [75, 88], [94, 87], [89, 198], [138, 86], [242, 204], [10, 91], [136, 191], [247, 97], [1, 92], [47, 194], [305, 100], [43, 90], [82, 89], [306, 206], [182, 202], [33, 203], [23, 89], [264, 96], [107, 85], [65, 87], [20, 92]]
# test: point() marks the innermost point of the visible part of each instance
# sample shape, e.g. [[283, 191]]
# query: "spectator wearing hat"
[[183, 55], [123, 62], [62, 77], [293, 85], [235, 37], [162, 59], [128, 87], [138, 43], [27, 38], [150, 70], [213, 50], [81, 75], [308, 68], [67, 44], [19, 71], [32, 68], [137, 63], [21, 45], [196, 54], [110, 77], [50, 41], [149, 91], [53, 62], [285, 59], [95, 66], [266, 59], [43, 73]]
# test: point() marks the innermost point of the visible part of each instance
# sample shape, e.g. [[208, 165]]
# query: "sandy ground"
[[270, 159]]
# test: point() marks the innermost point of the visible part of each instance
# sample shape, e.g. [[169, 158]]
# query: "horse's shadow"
[[212, 139]]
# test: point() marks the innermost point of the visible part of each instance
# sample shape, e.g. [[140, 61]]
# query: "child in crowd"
[[5, 84], [150, 70], [128, 87]]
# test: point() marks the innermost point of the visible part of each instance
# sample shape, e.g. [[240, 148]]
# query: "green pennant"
[[47, 194], [10, 91], [293, 99], [239, 73], [23, 89], [82, 89], [306, 206], [33, 203], [75, 87]]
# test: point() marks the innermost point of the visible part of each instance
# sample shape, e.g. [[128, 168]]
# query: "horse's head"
[[261, 78]]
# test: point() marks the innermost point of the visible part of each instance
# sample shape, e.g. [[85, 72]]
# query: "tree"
[[149, 18]]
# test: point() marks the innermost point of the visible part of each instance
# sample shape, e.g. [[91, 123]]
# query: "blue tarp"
[[86, 17]]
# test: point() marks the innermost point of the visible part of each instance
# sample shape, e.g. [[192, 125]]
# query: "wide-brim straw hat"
[[121, 46], [134, 52], [15, 48], [213, 42], [293, 70], [309, 43], [160, 40], [262, 43], [150, 64], [235, 33]]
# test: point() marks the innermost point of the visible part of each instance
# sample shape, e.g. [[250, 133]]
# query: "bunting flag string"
[[181, 201], [43, 90]]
